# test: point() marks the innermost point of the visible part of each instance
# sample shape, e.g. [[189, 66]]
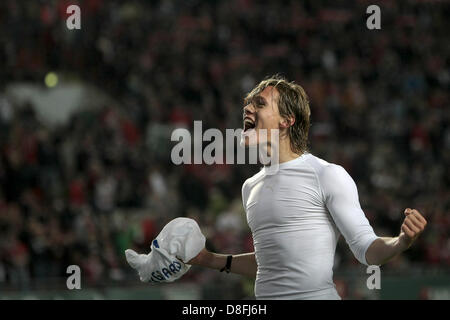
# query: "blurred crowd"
[[83, 192]]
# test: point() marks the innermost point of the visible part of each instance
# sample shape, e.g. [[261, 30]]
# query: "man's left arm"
[[384, 249], [341, 198]]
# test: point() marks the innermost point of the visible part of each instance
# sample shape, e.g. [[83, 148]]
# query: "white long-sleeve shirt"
[[296, 217]]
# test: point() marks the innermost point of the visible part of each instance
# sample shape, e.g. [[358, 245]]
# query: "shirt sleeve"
[[342, 201], [244, 195]]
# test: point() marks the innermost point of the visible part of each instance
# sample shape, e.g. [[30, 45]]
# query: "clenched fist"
[[413, 225]]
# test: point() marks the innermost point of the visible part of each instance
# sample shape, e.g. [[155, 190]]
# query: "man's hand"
[[412, 227], [384, 249]]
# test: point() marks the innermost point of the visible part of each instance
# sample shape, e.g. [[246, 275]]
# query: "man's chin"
[[249, 138]]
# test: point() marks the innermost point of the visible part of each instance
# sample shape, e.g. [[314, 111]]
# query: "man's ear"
[[287, 122]]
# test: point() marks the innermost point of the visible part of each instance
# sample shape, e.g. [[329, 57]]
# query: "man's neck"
[[288, 156], [286, 153]]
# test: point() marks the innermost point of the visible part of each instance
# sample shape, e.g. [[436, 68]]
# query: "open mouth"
[[249, 124]]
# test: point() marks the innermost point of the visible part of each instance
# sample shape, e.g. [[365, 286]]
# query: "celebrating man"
[[297, 214]]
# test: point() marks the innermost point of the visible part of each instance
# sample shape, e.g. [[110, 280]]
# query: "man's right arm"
[[244, 264]]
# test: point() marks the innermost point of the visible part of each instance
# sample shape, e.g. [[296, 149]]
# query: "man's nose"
[[249, 109]]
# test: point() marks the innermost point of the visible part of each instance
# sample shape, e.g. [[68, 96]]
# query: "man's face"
[[261, 113]]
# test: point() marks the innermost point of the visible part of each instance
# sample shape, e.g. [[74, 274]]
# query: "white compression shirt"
[[296, 217]]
